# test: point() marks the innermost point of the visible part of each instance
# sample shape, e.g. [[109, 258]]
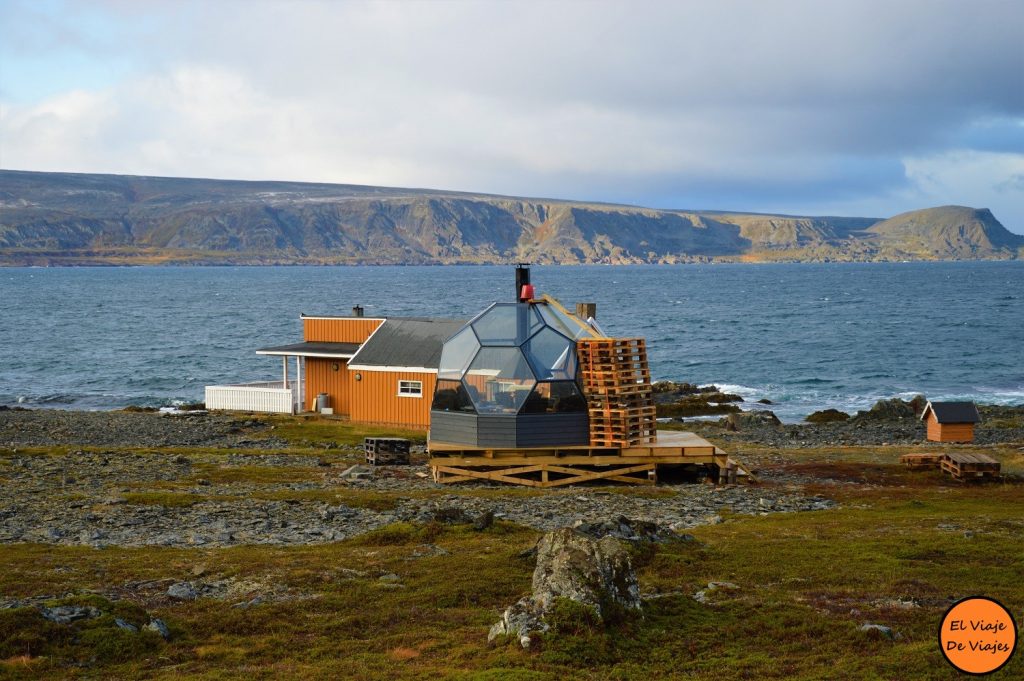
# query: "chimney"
[[357, 311], [586, 310], [522, 279]]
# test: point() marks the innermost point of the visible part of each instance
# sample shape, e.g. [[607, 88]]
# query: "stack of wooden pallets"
[[617, 384]]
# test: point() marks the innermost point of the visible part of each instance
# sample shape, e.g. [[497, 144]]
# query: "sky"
[[833, 107]]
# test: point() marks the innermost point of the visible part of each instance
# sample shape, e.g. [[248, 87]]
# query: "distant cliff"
[[67, 219]]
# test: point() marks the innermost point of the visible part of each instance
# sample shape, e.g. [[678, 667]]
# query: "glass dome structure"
[[511, 359]]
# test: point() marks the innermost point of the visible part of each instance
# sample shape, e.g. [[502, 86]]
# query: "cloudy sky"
[[843, 108]]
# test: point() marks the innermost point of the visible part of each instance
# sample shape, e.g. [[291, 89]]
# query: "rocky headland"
[[75, 219]]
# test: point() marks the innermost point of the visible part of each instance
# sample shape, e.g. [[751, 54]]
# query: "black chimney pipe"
[[522, 278]]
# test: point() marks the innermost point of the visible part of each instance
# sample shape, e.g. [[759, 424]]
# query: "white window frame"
[[406, 388]]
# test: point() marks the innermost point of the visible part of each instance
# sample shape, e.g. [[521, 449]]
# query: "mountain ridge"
[[69, 218]]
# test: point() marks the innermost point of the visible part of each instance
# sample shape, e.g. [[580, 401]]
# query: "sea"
[[804, 336]]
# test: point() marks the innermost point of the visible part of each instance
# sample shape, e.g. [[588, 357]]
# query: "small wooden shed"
[[950, 421]]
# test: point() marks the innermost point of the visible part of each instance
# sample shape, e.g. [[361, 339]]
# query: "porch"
[[271, 397]]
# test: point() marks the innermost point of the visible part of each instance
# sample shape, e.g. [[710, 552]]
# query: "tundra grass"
[[892, 554], [901, 546], [310, 430]]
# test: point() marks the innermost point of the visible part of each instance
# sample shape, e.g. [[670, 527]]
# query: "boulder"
[[746, 420], [596, 573], [183, 591], [879, 630], [127, 626], [891, 410], [158, 626], [66, 614], [827, 416], [484, 520]]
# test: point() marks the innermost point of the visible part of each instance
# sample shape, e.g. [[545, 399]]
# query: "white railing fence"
[[263, 396]]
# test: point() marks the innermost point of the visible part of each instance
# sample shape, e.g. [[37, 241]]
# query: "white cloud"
[[980, 179]]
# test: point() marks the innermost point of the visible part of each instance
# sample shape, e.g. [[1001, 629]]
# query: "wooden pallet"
[[628, 378], [963, 466], [386, 451], [921, 461]]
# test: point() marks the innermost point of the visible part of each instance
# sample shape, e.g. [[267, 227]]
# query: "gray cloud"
[[738, 105]]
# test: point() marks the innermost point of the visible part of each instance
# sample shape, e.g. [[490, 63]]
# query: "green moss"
[[24, 631], [312, 430], [227, 474], [103, 640]]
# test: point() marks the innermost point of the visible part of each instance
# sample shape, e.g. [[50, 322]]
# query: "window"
[[410, 388]]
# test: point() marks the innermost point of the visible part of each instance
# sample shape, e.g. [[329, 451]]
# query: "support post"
[[298, 383], [284, 368]]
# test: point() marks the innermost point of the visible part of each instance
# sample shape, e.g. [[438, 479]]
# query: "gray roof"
[[407, 342], [312, 349], [953, 412]]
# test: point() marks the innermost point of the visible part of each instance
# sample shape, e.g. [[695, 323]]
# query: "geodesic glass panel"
[[499, 380], [560, 397], [563, 324], [507, 324], [551, 356], [456, 355], [452, 396]]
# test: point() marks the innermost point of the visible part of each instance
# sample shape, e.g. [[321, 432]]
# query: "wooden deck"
[[557, 466]]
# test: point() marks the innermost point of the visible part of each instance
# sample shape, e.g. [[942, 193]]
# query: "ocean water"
[[805, 336]]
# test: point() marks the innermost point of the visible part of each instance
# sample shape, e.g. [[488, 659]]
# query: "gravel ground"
[[86, 498], [52, 427]]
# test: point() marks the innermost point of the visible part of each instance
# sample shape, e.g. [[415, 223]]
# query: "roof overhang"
[[313, 349], [392, 369]]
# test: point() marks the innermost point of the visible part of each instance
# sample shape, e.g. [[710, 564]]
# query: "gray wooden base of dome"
[[510, 431], [555, 467]]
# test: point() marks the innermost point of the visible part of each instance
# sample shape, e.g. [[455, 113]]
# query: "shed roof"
[[312, 349], [407, 342], [952, 412]]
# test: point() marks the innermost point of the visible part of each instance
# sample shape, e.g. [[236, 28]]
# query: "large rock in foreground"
[[595, 573]]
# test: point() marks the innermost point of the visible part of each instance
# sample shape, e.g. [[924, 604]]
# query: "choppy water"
[[804, 336]]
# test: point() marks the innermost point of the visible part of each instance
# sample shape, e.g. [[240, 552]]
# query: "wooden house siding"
[[322, 378], [340, 330], [375, 398], [949, 432]]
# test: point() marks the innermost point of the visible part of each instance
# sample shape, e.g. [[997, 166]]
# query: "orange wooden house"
[[372, 369], [950, 421]]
